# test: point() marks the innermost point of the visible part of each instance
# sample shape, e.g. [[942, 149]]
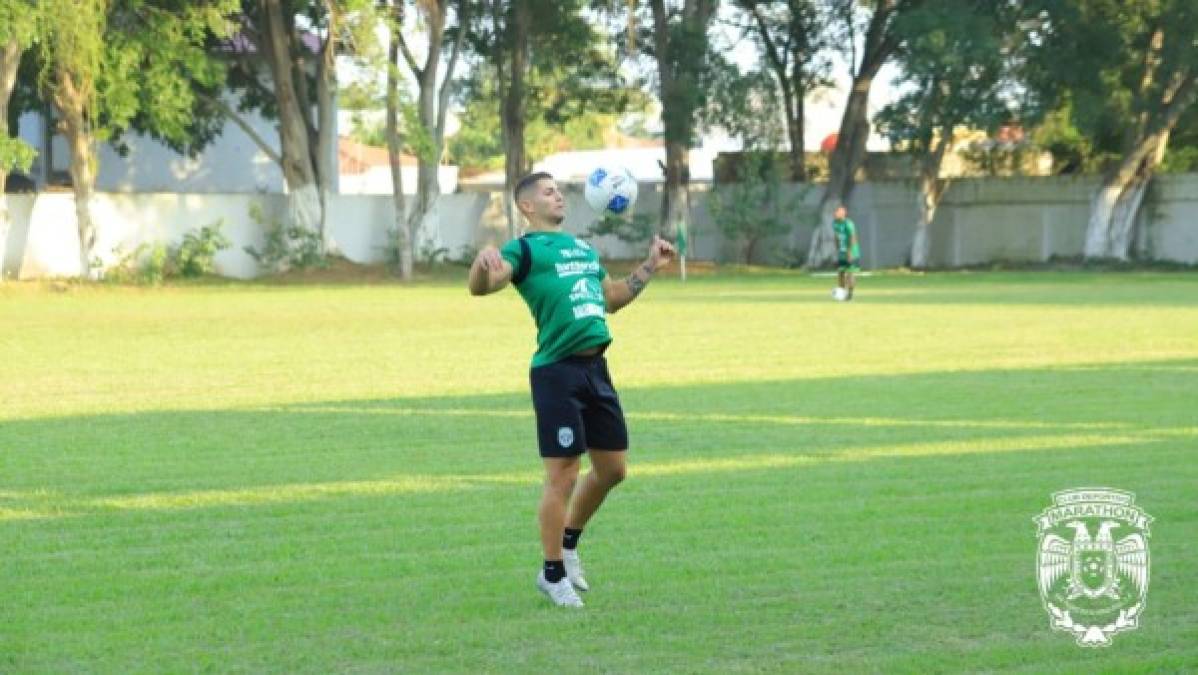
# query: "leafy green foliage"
[[140, 64], [19, 20], [194, 257], [15, 154], [754, 207], [154, 263], [573, 87], [288, 246], [795, 44], [479, 141], [1110, 64], [745, 104], [955, 64]]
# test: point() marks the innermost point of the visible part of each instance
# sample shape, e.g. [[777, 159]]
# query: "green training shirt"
[[846, 239], [564, 292]]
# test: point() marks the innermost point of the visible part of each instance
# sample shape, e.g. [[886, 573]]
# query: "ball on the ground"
[[611, 190], [839, 294]]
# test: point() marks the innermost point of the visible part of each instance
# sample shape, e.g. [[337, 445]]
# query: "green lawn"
[[251, 477]]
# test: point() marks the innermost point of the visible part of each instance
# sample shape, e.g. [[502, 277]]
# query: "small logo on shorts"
[[1092, 563], [565, 437]]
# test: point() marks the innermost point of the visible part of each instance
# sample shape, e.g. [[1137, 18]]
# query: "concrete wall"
[[232, 163], [980, 220]]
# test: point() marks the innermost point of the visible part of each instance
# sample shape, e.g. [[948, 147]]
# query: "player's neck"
[[538, 226]]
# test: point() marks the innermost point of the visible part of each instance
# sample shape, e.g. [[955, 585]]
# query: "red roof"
[[354, 157]]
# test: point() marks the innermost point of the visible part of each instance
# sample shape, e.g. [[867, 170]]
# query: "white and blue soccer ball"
[[611, 190], [840, 294]]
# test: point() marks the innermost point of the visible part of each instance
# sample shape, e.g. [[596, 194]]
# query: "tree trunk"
[[849, 154], [1116, 202], [1120, 205], [428, 186], [71, 107], [394, 152], [512, 96], [793, 90], [326, 121], [931, 191], [10, 59], [676, 66], [303, 193], [795, 128], [846, 159], [675, 203], [433, 104]]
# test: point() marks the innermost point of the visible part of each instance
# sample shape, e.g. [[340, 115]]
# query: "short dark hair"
[[528, 181]]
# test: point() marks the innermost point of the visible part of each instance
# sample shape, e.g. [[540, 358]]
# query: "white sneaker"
[[562, 593], [574, 570]]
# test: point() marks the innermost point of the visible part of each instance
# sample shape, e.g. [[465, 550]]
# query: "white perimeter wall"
[[981, 220]]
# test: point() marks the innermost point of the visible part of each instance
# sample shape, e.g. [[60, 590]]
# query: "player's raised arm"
[[489, 272], [618, 294]]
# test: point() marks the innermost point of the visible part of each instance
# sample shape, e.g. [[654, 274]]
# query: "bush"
[[287, 246], [196, 255], [154, 263], [754, 209]]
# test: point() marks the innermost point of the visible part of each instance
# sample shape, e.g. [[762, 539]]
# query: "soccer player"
[[848, 251], [577, 408]]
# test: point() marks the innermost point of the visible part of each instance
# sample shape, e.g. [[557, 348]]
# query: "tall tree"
[[511, 69], [793, 40], [394, 19], [17, 32], [298, 41], [74, 47], [539, 61], [112, 65], [955, 66], [427, 137], [1131, 73], [680, 48], [878, 46]]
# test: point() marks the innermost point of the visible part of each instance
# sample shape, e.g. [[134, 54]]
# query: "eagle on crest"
[[1096, 567]]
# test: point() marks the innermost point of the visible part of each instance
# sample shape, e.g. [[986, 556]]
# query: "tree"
[[113, 65], [541, 67], [1130, 72], [955, 65], [680, 48], [427, 135], [752, 208], [793, 40], [879, 45], [299, 41], [396, 105], [509, 49], [17, 32]]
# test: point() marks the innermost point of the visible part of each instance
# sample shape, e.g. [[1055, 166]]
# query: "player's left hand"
[[661, 252]]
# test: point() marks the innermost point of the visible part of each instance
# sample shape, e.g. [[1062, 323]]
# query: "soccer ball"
[[611, 190], [839, 294]]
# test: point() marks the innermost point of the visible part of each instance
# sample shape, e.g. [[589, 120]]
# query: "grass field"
[[343, 478]]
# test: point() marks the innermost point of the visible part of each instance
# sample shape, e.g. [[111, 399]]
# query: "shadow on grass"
[[197, 459]]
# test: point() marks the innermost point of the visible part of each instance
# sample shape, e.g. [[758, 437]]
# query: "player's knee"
[[560, 484], [613, 475]]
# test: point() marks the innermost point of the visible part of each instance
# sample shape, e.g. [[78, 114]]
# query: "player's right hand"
[[489, 259]]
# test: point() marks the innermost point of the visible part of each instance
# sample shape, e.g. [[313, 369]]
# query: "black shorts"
[[577, 407]]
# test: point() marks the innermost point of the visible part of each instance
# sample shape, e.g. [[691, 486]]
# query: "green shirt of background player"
[[848, 251], [577, 408]]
